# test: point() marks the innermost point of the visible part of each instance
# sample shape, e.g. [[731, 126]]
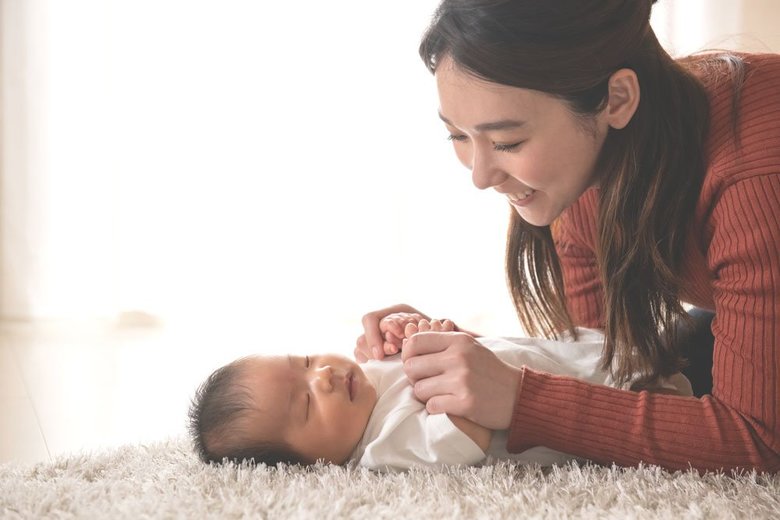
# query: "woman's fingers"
[[373, 334], [453, 373], [362, 353], [428, 354], [445, 403], [441, 384], [431, 342]]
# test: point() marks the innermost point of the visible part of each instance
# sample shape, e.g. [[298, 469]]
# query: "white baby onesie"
[[401, 433]]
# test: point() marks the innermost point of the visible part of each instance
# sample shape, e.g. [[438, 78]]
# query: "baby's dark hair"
[[217, 422]]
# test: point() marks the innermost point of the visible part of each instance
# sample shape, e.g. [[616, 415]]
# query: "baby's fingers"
[[438, 326], [410, 329], [393, 326], [392, 344]]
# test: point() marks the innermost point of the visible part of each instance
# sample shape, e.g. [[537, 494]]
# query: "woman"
[[637, 183]]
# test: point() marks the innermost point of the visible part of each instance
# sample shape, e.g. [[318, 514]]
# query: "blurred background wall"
[[253, 163], [688, 26]]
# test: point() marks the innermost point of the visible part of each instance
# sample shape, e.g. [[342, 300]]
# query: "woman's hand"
[[380, 339], [453, 373]]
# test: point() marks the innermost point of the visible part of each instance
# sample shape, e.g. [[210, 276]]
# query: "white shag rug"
[[166, 480]]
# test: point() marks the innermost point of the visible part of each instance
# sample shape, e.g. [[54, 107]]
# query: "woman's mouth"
[[521, 199]]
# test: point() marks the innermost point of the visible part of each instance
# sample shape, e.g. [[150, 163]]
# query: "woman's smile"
[[522, 199]]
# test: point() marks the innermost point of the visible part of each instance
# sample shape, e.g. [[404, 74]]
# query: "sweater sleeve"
[[738, 426]]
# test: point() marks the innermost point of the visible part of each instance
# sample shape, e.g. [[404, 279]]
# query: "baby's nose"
[[323, 378]]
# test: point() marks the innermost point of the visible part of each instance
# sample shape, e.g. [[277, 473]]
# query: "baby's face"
[[318, 405]]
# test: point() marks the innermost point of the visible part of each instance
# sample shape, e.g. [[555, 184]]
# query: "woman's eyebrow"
[[503, 124]]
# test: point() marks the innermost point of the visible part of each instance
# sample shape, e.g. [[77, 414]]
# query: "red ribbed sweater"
[[732, 265]]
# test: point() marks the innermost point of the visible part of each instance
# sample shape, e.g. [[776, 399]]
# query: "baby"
[[300, 409]]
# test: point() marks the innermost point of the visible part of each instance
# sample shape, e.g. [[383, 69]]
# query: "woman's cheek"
[[463, 152], [530, 168]]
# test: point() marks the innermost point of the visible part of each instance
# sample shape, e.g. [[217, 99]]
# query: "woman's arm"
[[738, 426]]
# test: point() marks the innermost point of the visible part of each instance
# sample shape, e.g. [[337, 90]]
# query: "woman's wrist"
[[515, 419]]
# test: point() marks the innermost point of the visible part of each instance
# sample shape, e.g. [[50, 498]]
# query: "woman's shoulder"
[[744, 137], [722, 72]]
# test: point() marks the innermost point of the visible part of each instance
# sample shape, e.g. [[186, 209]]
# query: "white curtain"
[[241, 161], [234, 161]]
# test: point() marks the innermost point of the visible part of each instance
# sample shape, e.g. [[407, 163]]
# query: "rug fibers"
[[166, 480]]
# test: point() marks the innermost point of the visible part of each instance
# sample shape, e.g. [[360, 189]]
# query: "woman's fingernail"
[[376, 352]]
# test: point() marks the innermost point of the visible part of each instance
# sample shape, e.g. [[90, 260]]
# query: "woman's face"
[[525, 144]]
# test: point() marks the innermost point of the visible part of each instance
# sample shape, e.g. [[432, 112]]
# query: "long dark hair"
[[649, 173]]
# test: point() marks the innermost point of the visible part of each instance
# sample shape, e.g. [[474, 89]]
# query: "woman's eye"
[[308, 402], [453, 137], [506, 147]]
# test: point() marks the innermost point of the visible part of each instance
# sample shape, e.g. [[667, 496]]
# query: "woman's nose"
[[322, 378], [484, 172]]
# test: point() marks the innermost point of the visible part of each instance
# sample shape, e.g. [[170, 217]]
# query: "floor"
[[67, 388]]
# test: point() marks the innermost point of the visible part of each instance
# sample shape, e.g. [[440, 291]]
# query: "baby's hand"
[[399, 326], [424, 325], [392, 328]]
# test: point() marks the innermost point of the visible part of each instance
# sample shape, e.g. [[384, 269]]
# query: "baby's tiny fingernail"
[[376, 352]]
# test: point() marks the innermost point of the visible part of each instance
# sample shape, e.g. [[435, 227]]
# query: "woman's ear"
[[623, 98]]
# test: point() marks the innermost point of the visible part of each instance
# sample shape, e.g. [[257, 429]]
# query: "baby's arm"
[[479, 434]]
